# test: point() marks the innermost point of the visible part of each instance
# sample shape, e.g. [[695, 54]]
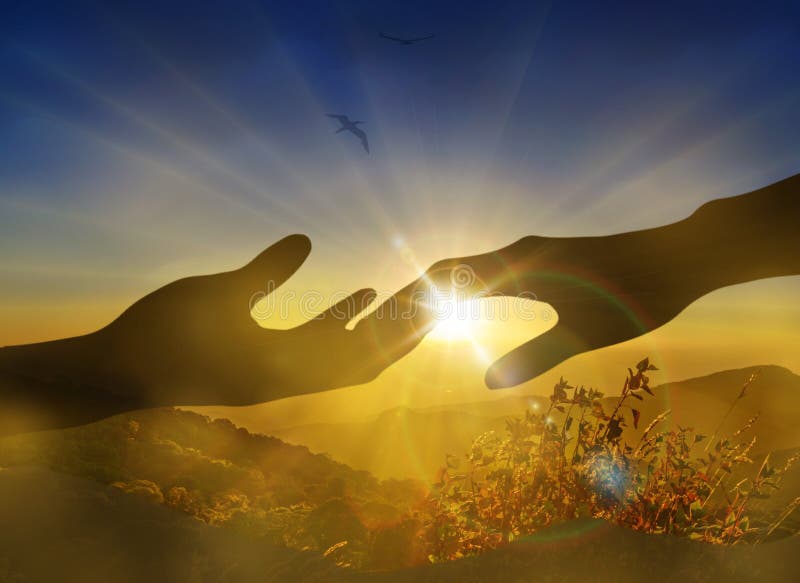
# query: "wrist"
[[57, 384], [749, 237]]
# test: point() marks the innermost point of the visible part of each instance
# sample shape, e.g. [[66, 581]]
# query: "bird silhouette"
[[405, 41], [351, 126]]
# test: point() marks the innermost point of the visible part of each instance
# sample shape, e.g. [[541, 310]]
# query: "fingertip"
[[296, 246], [362, 299], [344, 310], [369, 295], [293, 249], [512, 370], [498, 378], [275, 264], [521, 365], [300, 243]]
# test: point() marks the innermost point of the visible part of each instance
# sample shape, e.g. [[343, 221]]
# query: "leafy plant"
[[578, 460]]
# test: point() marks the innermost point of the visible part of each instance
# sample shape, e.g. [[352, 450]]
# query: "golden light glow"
[[364, 235], [456, 320]]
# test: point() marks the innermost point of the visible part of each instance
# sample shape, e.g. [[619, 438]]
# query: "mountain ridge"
[[697, 401]]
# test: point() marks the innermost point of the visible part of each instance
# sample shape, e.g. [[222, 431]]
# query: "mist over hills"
[[260, 489], [404, 442], [172, 495]]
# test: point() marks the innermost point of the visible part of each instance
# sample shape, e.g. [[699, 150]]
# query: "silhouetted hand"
[[611, 289], [194, 342], [604, 291]]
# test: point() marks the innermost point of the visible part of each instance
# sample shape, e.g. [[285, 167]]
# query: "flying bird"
[[352, 127], [405, 41]]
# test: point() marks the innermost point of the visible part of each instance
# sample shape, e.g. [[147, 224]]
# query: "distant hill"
[[405, 442], [400, 442]]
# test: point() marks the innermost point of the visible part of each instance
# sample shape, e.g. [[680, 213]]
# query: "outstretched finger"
[[535, 357], [394, 328], [341, 312], [273, 266]]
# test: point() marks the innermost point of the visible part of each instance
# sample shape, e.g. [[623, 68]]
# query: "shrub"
[[576, 460]]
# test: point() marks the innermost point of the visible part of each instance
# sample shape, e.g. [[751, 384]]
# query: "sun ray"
[[363, 187], [305, 188], [708, 143], [172, 138], [128, 151], [657, 129]]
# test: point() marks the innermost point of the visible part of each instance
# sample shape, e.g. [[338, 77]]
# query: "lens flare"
[[457, 319]]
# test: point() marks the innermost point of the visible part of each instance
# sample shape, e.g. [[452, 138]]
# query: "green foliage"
[[577, 460]]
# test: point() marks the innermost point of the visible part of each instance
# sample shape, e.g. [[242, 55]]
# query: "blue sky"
[[142, 141]]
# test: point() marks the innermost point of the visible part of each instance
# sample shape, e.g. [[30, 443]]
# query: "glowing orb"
[[455, 319]]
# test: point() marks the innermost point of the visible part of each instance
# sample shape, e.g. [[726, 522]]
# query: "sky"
[[146, 141]]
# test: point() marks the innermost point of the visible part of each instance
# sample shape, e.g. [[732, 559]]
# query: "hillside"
[[224, 475], [175, 448], [591, 550], [420, 439], [55, 527], [172, 495]]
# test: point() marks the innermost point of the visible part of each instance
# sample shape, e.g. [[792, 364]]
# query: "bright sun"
[[456, 320]]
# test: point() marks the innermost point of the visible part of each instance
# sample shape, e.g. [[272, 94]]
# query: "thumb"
[[273, 266], [534, 357]]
